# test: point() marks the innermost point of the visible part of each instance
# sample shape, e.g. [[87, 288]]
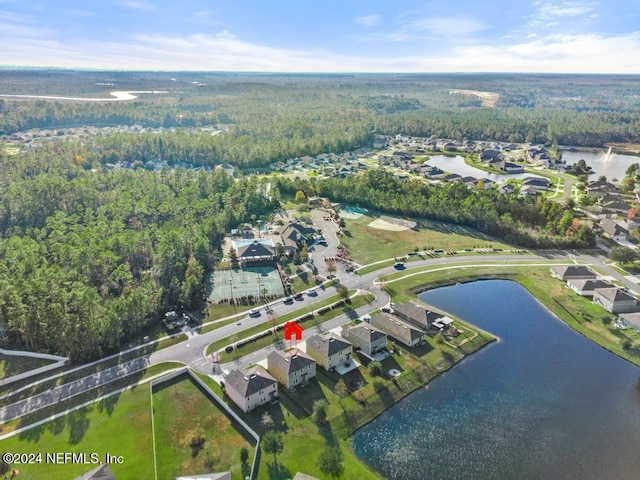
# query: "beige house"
[[329, 350], [615, 300], [250, 388], [365, 337], [291, 369], [397, 329]]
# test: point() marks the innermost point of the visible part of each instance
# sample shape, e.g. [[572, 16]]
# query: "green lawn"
[[367, 245], [183, 412], [11, 365]]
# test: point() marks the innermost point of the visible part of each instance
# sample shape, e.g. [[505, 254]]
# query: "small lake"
[[542, 403], [612, 168], [457, 165]]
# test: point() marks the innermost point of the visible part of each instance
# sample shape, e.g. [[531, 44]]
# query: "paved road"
[[67, 390], [192, 351]]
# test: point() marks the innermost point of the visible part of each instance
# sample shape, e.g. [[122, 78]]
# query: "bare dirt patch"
[[488, 99], [381, 224]]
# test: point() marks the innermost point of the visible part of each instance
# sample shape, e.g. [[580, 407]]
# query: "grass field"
[[368, 244], [183, 412], [11, 365]]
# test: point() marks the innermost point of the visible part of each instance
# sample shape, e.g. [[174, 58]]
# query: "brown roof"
[[366, 332], [614, 294]]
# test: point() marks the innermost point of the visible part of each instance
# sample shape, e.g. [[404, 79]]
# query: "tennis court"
[[242, 282]]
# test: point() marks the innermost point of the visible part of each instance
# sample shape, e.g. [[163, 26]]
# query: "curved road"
[[192, 351]]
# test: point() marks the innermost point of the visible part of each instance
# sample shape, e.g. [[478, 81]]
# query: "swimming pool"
[[356, 210], [241, 243]]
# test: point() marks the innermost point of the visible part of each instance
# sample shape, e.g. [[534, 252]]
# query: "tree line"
[[524, 221], [89, 259]]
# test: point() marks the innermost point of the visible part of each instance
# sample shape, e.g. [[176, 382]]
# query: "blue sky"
[[324, 36]]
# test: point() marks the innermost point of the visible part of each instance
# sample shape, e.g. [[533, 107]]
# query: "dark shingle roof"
[[255, 249], [417, 314], [614, 294], [574, 271], [395, 327], [248, 382]]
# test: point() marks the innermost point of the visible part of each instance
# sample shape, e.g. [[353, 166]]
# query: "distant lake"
[[615, 168], [542, 403], [457, 165]]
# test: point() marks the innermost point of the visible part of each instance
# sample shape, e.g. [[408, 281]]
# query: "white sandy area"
[[383, 225], [119, 96]]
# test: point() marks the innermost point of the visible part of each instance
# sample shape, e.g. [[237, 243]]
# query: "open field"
[[367, 245], [182, 412]]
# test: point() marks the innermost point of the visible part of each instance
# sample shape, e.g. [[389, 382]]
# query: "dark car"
[[298, 296]]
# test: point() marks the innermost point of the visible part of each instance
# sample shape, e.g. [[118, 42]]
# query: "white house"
[[251, 388]]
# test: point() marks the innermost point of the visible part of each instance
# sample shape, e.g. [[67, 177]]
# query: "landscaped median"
[[258, 337]]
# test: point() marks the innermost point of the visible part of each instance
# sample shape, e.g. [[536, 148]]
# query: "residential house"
[[511, 167], [615, 229], [291, 369], [539, 183], [380, 142], [256, 253], [632, 320], [103, 472], [615, 300], [586, 287], [528, 190], [329, 351], [227, 168], [506, 188], [572, 272], [616, 206], [417, 315], [490, 155], [250, 388], [367, 339], [400, 331]]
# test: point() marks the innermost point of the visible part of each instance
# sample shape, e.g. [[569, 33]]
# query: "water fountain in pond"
[[607, 157]]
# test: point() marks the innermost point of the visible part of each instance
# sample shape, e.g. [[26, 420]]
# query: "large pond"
[[457, 165], [611, 166], [542, 403]]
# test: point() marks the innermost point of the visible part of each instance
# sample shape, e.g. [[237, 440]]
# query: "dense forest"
[[526, 221], [89, 258], [273, 117]]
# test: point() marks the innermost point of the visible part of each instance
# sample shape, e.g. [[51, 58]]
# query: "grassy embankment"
[[11, 365]]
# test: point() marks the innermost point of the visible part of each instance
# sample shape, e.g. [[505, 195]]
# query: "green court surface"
[[243, 282]]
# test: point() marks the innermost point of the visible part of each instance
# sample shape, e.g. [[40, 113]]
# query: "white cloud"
[[369, 20], [547, 14], [136, 5]]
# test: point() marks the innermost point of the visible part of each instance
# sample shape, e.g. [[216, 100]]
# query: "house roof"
[[613, 227], [588, 284], [535, 181], [417, 313], [614, 294], [289, 363], [327, 345], [103, 472], [250, 381], [396, 328], [367, 333], [631, 318], [255, 249], [573, 271]]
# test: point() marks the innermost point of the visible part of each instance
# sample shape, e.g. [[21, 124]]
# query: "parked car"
[[298, 296], [312, 292], [288, 300], [254, 312]]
